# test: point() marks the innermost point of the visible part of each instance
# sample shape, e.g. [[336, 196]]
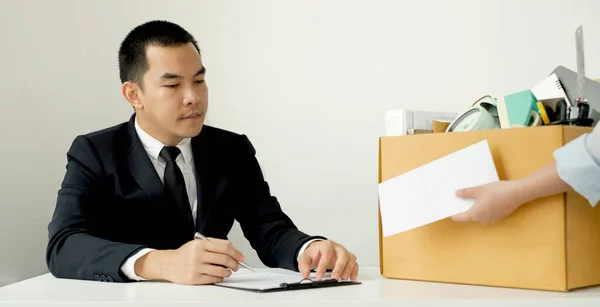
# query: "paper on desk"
[[258, 281], [427, 194], [262, 280]]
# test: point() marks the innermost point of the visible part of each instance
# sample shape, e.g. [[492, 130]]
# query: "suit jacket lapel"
[[205, 168], [141, 167]]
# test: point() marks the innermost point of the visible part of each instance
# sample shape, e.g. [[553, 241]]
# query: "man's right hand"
[[197, 262]]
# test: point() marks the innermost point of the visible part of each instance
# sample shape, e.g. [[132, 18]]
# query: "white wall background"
[[308, 81]]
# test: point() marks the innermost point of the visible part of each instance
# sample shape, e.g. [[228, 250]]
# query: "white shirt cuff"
[[128, 268], [305, 246]]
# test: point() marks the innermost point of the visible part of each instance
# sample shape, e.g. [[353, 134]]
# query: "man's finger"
[[209, 279], [315, 259], [349, 267], [223, 247], [214, 270], [326, 257], [221, 259], [354, 274], [304, 262], [340, 264]]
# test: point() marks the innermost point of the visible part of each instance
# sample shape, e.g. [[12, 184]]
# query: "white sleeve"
[[128, 268], [593, 143], [578, 165], [304, 247]]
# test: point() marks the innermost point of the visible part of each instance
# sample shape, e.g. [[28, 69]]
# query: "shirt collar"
[[154, 146]]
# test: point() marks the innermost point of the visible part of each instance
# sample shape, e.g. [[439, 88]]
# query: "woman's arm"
[[576, 166], [544, 182]]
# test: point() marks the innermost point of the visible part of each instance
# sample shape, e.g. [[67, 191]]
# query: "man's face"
[[174, 95]]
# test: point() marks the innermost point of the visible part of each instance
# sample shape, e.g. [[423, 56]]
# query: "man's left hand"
[[324, 255]]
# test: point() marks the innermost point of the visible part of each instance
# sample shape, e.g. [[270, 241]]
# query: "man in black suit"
[[134, 194]]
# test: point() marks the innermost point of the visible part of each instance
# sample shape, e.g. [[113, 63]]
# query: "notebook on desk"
[[275, 281]]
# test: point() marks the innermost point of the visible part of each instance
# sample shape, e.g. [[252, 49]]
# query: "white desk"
[[375, 291]]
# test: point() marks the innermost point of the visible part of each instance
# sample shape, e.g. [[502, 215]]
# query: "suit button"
[[97, 277], [103, 277], [110, 279]]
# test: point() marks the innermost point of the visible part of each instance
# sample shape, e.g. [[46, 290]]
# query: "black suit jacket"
[[111, 205]]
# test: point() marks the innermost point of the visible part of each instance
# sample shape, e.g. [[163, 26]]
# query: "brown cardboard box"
[[552, 243]]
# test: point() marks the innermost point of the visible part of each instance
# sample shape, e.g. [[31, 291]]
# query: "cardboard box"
[[552, 243]]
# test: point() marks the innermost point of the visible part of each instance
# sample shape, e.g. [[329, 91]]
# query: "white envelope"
[[427, 194]]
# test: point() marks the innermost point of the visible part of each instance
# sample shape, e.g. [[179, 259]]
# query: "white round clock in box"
[[482, 115]]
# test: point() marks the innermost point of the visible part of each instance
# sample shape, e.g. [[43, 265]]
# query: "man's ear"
[[132, 93]]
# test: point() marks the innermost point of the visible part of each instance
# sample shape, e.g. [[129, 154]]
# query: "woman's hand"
[[493, 202]]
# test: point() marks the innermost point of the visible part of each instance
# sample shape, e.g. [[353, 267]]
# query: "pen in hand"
[[199, 236]]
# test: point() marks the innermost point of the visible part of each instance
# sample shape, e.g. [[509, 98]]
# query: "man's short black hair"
[[132, 53]]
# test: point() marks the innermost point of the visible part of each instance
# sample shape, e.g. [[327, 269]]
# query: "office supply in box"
[[568, 79], [424, 119], [581, 94], [482, 115], [580, 109], [581, 91], [418, 131], [438, 126], [518, 110], [550, 88], [548, 244], [401, 121]]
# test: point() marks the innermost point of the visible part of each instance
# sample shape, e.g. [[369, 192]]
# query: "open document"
[[428, 193]]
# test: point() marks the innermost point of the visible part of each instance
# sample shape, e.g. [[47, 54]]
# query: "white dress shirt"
[[185, 161], [578, 164]]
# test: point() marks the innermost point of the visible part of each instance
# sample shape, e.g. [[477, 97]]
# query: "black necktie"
[[175, 184]]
